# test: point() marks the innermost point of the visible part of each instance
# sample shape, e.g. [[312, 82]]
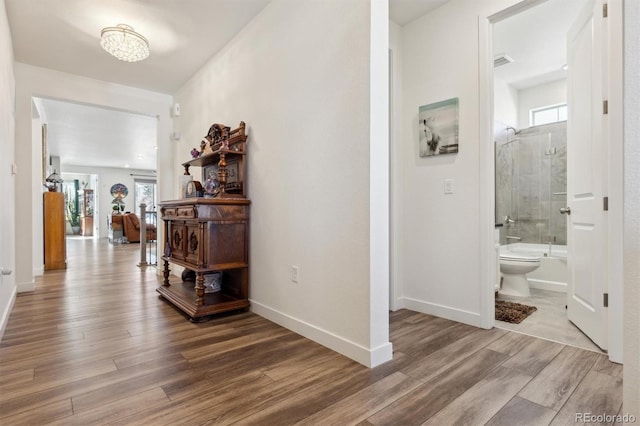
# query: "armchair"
[[131, 224]]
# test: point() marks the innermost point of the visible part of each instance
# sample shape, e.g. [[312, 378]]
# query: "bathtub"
[[553, 273]]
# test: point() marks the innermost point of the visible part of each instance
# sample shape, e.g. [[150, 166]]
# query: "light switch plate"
[[448, 186]]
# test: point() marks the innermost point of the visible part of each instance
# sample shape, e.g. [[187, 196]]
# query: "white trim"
[[26, 287], [547, 285], [395, 154], [514, 10], [442, 311], [615, 189], [486, 179], [631, 253], [355, 351], [379, 256], [39, 270], [393, 208], [5, 315]]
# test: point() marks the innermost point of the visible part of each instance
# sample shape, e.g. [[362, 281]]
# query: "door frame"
[[613, 186]]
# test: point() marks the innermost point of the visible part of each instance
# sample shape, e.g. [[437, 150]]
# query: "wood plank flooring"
[[95, 345]]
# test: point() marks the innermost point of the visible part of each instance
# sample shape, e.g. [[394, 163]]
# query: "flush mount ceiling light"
[[124, 43]]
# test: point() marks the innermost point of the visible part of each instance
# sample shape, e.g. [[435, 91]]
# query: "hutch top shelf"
[[236, 145], [222, 156]]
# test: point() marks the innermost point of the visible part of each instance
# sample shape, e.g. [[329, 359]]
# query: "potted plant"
[[118, 206], [73, 216]]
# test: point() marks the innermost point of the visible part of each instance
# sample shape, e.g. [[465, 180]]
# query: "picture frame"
[[232, 169], [235, 177], [438, 128], [45, 156]]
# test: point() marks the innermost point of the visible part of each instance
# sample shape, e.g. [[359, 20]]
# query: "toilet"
[[514, 268]]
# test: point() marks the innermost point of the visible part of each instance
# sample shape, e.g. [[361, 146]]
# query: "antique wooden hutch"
[[208, 230]]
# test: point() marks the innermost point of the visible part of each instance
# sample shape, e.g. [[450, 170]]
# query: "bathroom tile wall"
[[531, 183]]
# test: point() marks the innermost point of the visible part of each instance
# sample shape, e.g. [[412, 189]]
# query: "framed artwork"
[[232, 169], [235, 178], [438, 128], [45, 157], [119, 190]]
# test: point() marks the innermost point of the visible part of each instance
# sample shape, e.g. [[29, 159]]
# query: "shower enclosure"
[[531, 184]]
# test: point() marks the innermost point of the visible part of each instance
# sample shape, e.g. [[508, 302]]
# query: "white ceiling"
[[65, 35], [183, 34], [85, 135], [536, 40]]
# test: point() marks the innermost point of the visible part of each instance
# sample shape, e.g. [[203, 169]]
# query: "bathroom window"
[[548, 114]]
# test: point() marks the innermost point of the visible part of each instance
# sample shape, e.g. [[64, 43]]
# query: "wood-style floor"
[[96, 345]]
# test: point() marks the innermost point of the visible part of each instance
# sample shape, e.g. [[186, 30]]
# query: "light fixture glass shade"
[[124, 43]]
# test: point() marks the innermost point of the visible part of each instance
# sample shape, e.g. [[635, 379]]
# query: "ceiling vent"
[[501, 59]]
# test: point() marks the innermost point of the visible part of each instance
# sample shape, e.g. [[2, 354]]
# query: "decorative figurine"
[[195, 153], [218, 134], [54, 182], [211, 186]]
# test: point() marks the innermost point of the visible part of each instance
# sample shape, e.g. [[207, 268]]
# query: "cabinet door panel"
[[194, 244], [177, 231], [228, 243]]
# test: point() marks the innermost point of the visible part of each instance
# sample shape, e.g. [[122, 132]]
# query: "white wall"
[[34, 81], [442, 234], [631, 382], [505, 103], [106, 178], [298, 75], [552, 93], [7, 179]]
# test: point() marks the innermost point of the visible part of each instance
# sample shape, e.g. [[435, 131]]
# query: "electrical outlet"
[[294, 274]]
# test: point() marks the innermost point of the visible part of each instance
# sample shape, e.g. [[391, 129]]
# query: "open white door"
[[586, 162]]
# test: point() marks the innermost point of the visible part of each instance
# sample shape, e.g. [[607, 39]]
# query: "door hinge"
[[605, 10], [605, 204], [605, 107], [606, 300]]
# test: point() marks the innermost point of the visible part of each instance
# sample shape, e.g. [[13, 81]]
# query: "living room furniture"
[[55, 244], [125, 228], [131, 223], [116, 228], [210, 234]]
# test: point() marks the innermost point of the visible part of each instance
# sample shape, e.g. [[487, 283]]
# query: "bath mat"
[[513, 312]]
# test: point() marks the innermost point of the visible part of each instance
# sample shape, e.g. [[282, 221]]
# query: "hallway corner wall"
[[7, 178]]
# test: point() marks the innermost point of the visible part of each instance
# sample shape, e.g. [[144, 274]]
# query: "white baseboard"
[[442, 311], [547, 285], [38, 271], [25, 287], [5, 315], [366, 357], [398, 304]]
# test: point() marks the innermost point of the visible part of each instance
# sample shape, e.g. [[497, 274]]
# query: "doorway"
[[527, 121], [80, 194], [530, 136], [94, 148]]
